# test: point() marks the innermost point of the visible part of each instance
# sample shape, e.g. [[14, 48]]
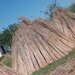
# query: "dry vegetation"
[[39, 43]]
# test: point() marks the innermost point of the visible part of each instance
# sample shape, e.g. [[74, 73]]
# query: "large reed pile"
[[39, 43]]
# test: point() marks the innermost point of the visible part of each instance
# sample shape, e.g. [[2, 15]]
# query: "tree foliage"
[[6, 35], [50, 9], [72, 7]]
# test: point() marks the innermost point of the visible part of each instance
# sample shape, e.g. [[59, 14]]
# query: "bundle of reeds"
[[40, 42]]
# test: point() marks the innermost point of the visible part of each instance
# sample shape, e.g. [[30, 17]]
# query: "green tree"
[[72, 7], [50, 9], [6, 35]]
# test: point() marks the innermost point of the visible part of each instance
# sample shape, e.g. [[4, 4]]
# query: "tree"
[[72, 7], [6, 35], [50, 9]]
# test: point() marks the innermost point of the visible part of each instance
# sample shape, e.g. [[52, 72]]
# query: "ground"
[[6, 60], [65, 69]]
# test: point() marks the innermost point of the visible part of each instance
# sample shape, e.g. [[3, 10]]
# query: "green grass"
[[7, 62], [53, 65], [1, 58]]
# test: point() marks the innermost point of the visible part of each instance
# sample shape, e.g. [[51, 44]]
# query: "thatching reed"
[[6, 71], [39, 43]]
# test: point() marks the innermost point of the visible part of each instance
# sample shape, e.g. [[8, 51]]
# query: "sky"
[[11, 9]]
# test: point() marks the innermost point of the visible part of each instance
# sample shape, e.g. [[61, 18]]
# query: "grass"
[[53, 65], [1, 58], [7, 61]]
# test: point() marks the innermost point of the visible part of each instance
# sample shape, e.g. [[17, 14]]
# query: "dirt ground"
[[66, 69]]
